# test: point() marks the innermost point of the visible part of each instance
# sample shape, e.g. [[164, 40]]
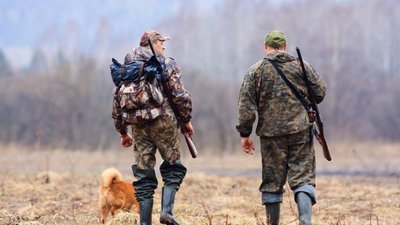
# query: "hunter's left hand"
[[247, 145]]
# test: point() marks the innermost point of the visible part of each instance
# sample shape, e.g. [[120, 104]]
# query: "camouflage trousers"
[[161, 134], [290, 156]]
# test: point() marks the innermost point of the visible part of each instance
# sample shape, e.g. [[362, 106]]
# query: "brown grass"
[[59, 187]]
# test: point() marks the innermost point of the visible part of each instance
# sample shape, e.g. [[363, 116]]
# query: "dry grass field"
[[361, 186]]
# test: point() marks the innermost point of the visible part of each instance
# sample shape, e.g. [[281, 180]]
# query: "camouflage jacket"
[[264, 93], [180, 96]]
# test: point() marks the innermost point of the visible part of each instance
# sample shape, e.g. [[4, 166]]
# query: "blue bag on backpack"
[[151, 68], [120, 72]]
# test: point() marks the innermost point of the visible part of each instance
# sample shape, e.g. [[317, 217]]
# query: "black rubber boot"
[[304, 206], [273, 211], [167, 205], [146, 209]]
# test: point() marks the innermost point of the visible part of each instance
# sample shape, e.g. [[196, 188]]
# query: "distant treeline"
[[353, 44]]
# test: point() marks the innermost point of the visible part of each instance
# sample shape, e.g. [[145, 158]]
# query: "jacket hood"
[[141, 53]]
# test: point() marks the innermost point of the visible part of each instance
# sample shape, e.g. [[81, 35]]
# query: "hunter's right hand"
[[189, 128], [126, 140], [247, 145]]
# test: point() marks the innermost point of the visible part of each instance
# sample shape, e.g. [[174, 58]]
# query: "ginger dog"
[[115, 194]]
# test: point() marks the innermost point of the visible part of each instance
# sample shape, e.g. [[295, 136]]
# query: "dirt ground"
[[60, 187]]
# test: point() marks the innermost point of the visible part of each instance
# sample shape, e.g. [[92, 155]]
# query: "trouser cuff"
[[268, 197], [145, 184], [308, 189], [172, 174]]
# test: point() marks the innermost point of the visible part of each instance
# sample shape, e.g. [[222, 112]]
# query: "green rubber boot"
[[273, 211]]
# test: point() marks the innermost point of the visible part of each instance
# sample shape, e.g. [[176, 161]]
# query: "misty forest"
[[64, 99]]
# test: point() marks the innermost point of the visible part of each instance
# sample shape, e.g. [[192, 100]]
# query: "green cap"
[[275, 39]]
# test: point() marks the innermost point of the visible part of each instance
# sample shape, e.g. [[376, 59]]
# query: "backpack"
[[139, 89]]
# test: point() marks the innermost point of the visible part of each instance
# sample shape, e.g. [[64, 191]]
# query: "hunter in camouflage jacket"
[[264, 92], [181, 96]]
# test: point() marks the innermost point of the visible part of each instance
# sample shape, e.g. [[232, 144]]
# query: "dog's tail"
[[110, 176]]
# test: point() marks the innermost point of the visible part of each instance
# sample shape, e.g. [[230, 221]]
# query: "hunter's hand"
[[189, 128], [247, 145], [126, 140]]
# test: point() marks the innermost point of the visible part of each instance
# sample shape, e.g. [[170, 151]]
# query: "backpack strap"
[[137, 79], [291, 86], [141, 70]]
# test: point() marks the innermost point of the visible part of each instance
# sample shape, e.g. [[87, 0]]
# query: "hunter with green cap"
[[283, 127]]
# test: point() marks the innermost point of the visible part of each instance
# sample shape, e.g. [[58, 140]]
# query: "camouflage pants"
[[290, 156], [162, 134]]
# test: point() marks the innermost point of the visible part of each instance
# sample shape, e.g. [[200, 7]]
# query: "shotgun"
[[319, 130]]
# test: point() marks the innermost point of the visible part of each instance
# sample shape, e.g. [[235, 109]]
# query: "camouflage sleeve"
[[247, 104], [117, 114], [180, 96], [317, 84]]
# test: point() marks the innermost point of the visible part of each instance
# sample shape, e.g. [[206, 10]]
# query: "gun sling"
[[300, 97], [291, 86]]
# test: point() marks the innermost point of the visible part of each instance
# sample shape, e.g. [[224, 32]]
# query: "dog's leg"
[[103, 214], [114, 208]]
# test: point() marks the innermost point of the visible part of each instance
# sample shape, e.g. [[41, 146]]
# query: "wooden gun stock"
[[321, 139], [190, 144], [325, 149]]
